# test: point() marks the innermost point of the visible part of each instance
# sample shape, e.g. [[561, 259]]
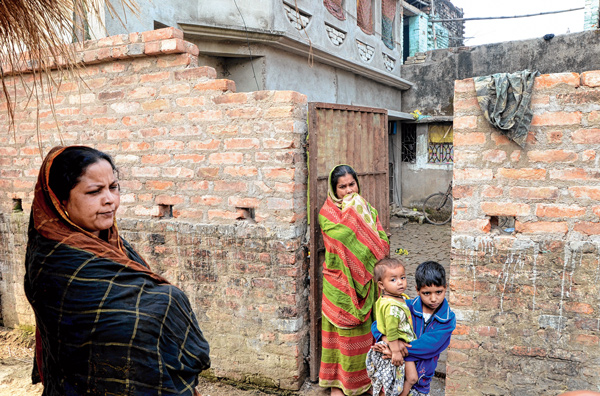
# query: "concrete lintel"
[[278, 39], [399, 116], [410, 10], [432, 119]]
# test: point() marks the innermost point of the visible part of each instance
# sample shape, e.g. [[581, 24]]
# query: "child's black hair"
[[430, 273], [385, 264]]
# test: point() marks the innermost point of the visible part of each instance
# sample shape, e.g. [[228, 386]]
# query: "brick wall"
[[527, 302], [213, 191]]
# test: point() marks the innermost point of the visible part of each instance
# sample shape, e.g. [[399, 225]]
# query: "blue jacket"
[[431, 340]]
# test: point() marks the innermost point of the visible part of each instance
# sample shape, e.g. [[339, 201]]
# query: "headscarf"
[[49, 219], [355, 199]]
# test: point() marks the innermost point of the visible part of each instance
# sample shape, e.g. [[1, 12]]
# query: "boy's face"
[[432, 297], [394, 281]]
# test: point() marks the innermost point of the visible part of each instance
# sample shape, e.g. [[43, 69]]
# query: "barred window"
[[441, 148], [409, 143]]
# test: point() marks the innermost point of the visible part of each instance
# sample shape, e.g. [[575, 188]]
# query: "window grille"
[[441, 147], [409, 143]]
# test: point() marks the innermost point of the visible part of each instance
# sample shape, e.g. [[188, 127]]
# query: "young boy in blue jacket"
[[433, 324]]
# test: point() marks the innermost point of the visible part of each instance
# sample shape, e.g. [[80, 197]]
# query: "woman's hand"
[[397, 359]]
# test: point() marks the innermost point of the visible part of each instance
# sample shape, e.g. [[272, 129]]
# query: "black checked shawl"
[[106, 324]]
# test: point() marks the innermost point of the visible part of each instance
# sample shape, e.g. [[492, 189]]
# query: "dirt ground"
[[421, 241]]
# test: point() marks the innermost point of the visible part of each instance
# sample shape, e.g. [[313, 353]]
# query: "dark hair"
[[340, 171], [68, 167], [430, 273], [383, 265]]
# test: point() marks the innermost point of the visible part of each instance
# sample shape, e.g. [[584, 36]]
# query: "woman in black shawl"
[[106, 324]]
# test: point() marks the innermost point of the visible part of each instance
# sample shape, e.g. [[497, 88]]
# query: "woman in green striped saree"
[[354, 241]]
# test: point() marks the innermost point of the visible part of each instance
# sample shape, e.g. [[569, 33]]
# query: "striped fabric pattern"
[[352, 247]]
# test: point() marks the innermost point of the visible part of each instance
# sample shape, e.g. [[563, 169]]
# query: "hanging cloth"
[[335, 8], [505, 99]]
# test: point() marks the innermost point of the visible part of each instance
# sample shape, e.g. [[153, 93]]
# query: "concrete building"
[[333, 51]]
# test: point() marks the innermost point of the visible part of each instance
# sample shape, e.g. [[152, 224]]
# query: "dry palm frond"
[[37, 36]]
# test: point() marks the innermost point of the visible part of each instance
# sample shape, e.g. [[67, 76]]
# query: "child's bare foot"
[[336, 392]]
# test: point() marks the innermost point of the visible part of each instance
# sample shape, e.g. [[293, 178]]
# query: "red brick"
[[225, 158], [190, 102], [463, 344], [244, 202], [232, 144], [102, 121], [222, 214], [179, 89], [153, 132], [278, 144], [492, 192], [591, 78], [587, 227], [159, 185], [469, 139], [208, 173], [166, 117], [230, 186], [487, 331], [587, 339], [196, 73], [162, 34], [495, 156], [462, 192], [469, 226], [135, 146], [523, 173], [211, 144], [559, 211], [537, 100], [541, 227], [466, 105], [465, 122], [289, 96], [179, 172], [465, 86], [156, 159], [461, 330], [594, 116], [534, 192], [241, 171], [557, 118], [528, 351], [473, 174], [505, 209], [588, 155], [216, 85], [195, 185], [279, 173], [249, 112], [231, 98], [586, 136], [552, 156], [206, 200], [155, 77], [500, 139], [551, 80], [578, 307], [279, 112], [158, 104], [280, 204], [205, 115], [169, 199], [181, 59], [194, 158], [572, 174], [135, 120], [169, 145], [585, 192]]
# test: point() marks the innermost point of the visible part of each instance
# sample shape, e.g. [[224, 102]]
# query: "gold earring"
[[67, 214]]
